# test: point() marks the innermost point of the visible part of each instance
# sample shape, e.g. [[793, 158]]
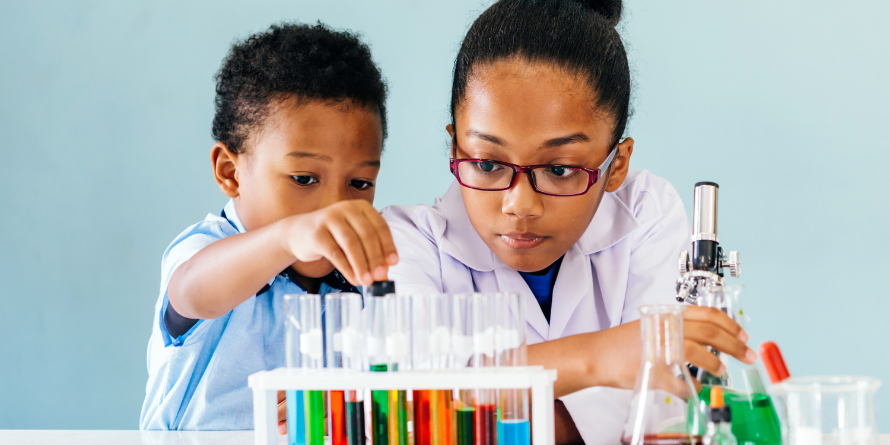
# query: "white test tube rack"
[[266, 384]]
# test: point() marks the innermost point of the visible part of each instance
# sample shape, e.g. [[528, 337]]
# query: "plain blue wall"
[[105, 111]]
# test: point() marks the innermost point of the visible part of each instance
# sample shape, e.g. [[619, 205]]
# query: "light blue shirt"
[[198, 381]]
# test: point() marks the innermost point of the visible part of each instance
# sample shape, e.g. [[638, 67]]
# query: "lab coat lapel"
[[509, 280], [574, 282]]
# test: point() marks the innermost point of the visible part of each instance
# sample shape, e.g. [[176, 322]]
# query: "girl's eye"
[[487, 167], [361, 184], [561, 172], [305, 180]]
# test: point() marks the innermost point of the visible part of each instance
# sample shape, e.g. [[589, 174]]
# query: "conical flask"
[[754, 419], [659, 410]]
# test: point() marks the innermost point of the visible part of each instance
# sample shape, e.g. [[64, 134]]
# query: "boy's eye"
[[361, 184], [305, 180]]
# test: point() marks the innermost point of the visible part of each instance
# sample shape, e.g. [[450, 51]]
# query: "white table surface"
[[129, 437]]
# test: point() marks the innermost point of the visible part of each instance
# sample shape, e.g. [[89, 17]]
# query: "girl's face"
[[529, 113]]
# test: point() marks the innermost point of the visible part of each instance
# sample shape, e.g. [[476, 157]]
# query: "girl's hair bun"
[[608, 9]]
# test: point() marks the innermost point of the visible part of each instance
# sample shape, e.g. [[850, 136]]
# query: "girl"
[[544, 203]]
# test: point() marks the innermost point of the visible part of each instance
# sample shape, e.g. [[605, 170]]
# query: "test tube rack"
[[266, 384]]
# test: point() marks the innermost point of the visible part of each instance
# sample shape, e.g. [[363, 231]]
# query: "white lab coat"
[[625, 259]]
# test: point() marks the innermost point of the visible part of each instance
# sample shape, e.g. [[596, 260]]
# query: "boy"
[[300, 123]]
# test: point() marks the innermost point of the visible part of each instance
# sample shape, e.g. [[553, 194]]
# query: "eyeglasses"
[[547, 179]]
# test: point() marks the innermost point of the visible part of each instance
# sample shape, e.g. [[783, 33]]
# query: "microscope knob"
[[735, 264], [684, 262]]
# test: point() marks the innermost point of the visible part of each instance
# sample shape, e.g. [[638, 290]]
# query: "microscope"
[[703, 271], [701, 275]]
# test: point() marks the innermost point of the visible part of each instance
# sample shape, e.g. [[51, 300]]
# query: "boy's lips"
[[524, 240]]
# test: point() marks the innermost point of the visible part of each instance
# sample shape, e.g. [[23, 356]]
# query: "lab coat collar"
[[612, 223]]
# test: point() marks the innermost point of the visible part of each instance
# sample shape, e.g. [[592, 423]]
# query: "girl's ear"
[[620, 165], [225, 168]]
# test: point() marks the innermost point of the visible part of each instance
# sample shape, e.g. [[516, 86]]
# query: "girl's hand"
[[350, 234], [707, 326]]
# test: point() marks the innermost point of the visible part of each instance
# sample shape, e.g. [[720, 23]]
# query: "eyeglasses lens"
[[485, 175], [560, 180]]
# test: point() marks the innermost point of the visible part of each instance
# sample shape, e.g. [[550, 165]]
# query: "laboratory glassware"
[[296, 417], [398, 349], [462, 344], [312, 358], [829, 410], [342, 331], [511, 350], [754, 418], [430, 347], [719, 418], [379, 313], [483, 322], [659, 411]]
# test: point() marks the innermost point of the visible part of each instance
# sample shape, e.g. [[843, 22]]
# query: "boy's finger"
[[332, 251], [282, 416], [388, 247], [351, 245], [710, 334], [369, 237], [702, 358], [717, 317]]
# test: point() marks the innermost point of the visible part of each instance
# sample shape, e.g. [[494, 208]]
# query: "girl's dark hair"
[[292, 59], [578, 35]]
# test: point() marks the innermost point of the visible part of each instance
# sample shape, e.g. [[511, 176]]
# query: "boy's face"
[[306, 156]]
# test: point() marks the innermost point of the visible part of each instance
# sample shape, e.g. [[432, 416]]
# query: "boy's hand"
[[282, 413], [350, 234]]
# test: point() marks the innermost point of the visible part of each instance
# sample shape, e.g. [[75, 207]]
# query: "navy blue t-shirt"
[[541, 283]]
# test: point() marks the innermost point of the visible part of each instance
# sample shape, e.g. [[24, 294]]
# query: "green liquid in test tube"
[[312, 357]]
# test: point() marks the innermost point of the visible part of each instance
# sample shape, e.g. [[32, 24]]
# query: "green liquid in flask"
[[754, 419]]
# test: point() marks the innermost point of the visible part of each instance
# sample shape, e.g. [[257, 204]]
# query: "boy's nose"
[[522, 200], [334, 195]]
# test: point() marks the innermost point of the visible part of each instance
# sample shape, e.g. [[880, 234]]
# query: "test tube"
[[398, 348], [511, 349], [353, 359], [484, 357], [378, 315], [424, 400], [440, 358], [462, 350], [342, 326], [296, 419], [312, 357]]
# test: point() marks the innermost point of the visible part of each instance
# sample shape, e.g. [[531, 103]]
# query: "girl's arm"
[[611, 357], [350, 234]]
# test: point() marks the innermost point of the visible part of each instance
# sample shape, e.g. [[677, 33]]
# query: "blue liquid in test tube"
[[296, 418], [513, 432]]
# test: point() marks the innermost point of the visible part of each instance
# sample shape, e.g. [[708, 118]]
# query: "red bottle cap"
[[773, 362]]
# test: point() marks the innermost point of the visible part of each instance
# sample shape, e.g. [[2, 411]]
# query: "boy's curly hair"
[[291, 59]]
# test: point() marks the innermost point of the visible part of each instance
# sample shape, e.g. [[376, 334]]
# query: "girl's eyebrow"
[[550, 143]]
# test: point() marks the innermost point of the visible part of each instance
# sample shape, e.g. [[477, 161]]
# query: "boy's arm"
[[350, 234]]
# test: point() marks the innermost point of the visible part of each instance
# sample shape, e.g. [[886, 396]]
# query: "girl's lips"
[[522, 240]]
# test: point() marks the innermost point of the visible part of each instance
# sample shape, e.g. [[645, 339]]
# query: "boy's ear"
[[450, 129], [620, 165], [225, 169]]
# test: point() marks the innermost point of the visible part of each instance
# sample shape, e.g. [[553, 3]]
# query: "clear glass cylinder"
[[484, 322], [296, 416], [511, 350], [829, 410], [342, 322], [312, 357], [377, 327], [659, 410], [462, 348]]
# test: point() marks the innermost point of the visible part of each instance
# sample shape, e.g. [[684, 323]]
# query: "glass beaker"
[[659, 409], [754, 418], [829, 410]]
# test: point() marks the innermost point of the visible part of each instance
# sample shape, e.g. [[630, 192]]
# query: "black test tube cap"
[[381, 288]]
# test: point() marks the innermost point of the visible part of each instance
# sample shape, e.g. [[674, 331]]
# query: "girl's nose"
[[522, 200]]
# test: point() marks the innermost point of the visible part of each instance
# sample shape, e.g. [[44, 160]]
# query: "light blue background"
[[105, 112]]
